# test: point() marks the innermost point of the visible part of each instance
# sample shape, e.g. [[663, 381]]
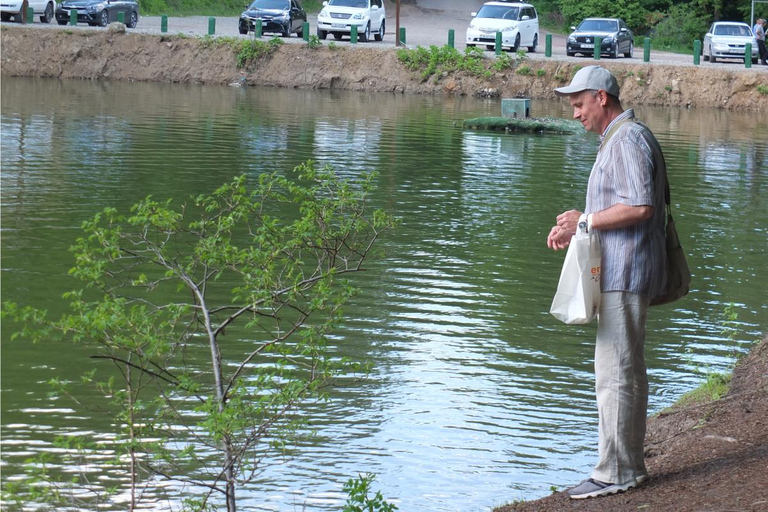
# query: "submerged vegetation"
[[538, 125]]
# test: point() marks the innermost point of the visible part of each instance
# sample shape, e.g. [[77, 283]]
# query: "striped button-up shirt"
[[630, 170]]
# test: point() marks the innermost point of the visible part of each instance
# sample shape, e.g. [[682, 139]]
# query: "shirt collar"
[[627, 114]]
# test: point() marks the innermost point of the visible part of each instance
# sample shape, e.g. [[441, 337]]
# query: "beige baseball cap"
[[591, 78]]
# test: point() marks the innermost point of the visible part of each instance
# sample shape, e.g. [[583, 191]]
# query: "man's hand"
[[560, 235]]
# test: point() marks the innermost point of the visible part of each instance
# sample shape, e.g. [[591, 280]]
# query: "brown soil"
[[109, 55], [711, 457]]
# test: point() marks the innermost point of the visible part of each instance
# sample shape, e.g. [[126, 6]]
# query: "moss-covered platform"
[[529, 124]]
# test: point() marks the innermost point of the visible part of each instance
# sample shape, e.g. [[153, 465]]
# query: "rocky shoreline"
[[109, 55]]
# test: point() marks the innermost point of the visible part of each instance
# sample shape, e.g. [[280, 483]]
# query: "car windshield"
[[599, 26], [732, 30], [499, 12], [270, 4], [360, 4]]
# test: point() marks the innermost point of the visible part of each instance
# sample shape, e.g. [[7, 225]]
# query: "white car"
[[517, 22], [338, 16], [728, 40], [12, 8]]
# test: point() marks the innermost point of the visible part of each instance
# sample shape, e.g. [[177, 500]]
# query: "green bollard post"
[[452, 38], [121, 17], [30, 15], [73, 17], [696, 52], [647, 49], [164, 23], [497, 48], [211, 26], [258, 28], [305, 31], [598, 46], [748, 56], [353, 34], [402, 36], [548, 47]]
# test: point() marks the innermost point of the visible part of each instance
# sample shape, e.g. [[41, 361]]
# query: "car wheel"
[[104, 18], [712, 57], [366, 35], [243, 30], [631, 51], [322, 34], [337, 36], [62, 22], [380, 34], [532, 49], [570, 54], [490, 47], [5, 16], [133, 20], [517, 43], [615, 52], [286, 30], [300, 33], [47, 14]]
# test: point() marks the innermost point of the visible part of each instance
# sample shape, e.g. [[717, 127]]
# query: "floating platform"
[[529, 125]]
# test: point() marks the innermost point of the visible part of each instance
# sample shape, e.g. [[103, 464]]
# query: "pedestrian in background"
[[625, 205], [759, 30]]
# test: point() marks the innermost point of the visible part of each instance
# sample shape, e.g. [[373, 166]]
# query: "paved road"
[[425, 25]]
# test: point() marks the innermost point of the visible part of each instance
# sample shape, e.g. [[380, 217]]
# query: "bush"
[[680, 28]]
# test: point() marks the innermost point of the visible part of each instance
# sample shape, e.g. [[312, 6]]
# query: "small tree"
[[164, 285]]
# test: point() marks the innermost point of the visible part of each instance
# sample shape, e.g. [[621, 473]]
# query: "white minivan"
[[517, 22], [13, 8], [338, 16]]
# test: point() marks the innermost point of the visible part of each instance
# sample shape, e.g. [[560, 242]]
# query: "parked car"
[[281, 16], [338, 16], [616, 38], [517, 22], [728, 40], [99, 12], [12, 9]]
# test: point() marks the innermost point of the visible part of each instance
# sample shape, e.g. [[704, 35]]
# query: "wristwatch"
[[584, 223]]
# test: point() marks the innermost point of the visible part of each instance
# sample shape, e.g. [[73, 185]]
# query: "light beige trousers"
[[621, 383]]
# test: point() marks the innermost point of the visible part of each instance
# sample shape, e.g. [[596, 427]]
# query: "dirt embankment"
[[146, 57]]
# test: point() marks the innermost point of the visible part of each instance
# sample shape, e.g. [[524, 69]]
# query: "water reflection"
[[478, 396]]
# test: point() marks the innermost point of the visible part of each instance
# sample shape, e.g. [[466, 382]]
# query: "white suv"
[[43, 8], [517, 22], [338, 16]]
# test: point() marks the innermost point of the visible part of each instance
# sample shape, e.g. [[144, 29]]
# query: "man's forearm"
[[620, 216]]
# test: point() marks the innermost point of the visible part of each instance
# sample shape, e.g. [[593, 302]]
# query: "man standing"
[[625, 205], [759, 30]]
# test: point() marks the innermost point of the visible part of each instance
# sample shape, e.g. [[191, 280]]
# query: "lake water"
[[478, 396]]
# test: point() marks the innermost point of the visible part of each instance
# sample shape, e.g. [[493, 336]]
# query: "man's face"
[[588, 109]]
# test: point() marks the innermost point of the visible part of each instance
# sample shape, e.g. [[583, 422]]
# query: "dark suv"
[[282, 16], [616, 38]]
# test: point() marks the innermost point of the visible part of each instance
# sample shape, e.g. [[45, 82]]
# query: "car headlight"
[[609, 39], [358, 16], [571, 39], [323, 13], [472, 25], [97, 7]]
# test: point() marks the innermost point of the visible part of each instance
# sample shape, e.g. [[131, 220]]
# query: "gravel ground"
[[426, 24]]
